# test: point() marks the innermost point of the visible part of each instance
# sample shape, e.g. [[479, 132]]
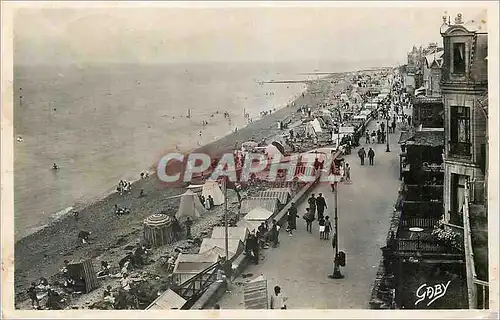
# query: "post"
[[226, 231], [336, 269], [387, 130]]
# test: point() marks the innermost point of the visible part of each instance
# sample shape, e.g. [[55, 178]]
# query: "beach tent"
[[313, 127], [211, 187], [271, 150], [83, 273], [279, 146], [190, 206]]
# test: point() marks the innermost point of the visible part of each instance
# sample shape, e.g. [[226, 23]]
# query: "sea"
[[105, 122]]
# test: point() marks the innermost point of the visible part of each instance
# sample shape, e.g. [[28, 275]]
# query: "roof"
[[234, 245], [427, 138], [270, 204], [167, 301], [405, 136], [435, 58], [232, 233], [250, 225], [258, 214], [194, 263], [281, 194]]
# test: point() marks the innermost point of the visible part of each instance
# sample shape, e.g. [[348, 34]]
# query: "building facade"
[[464, 81], [464, 86]]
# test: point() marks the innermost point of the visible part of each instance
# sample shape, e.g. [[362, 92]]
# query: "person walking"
[[371, 156], [309, 220], [277, 299], [292, 218], [321, 223], [320, 205], [362, 155], [367, 137], [328, 227], [347, 173], [312, 205], [275, 228]]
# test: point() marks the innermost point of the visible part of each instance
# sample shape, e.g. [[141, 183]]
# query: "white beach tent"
[[211, 187], [271, 150], [190, 206]]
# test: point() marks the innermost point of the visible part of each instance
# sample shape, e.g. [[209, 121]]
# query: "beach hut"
[[258, 214], [250, 225], [158, 230], [83, 273], [212, 188], [189, 265], [255, 294], [168, 300], [190, 206], [239, 233], [235, 246], [249, 146], [270, 204], [282, 194]]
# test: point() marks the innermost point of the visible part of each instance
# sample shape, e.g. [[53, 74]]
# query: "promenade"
[[302, 262]]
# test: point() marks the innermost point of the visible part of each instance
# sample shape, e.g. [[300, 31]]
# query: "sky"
[[231, 34]]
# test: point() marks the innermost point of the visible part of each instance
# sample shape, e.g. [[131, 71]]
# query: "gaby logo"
[[431, 293]]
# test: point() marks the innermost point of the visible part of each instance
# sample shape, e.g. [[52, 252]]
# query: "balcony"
[[459, 149]]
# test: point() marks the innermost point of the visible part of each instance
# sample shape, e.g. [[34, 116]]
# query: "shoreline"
[[76, 205], [42, 252]]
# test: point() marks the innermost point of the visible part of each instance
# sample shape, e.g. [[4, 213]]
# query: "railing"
[[461, 149], [191, 289], [422, 209], [418, 222], [483, 294], [472, 282], [415, 245]]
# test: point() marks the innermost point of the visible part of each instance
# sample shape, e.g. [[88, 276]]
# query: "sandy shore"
[[42, 253]]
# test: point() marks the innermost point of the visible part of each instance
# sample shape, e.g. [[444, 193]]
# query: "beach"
[[42, 253]]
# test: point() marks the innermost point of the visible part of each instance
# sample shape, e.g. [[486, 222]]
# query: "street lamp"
[[336, 269], [387, 129]]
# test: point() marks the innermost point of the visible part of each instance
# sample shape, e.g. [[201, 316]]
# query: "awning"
[[405, 136]]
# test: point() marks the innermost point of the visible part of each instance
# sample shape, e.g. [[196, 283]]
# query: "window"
[[459, 58], [460, 131]]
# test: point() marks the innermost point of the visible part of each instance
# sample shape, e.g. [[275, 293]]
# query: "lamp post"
[[336, 268], [226, 231], [387, 129]]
